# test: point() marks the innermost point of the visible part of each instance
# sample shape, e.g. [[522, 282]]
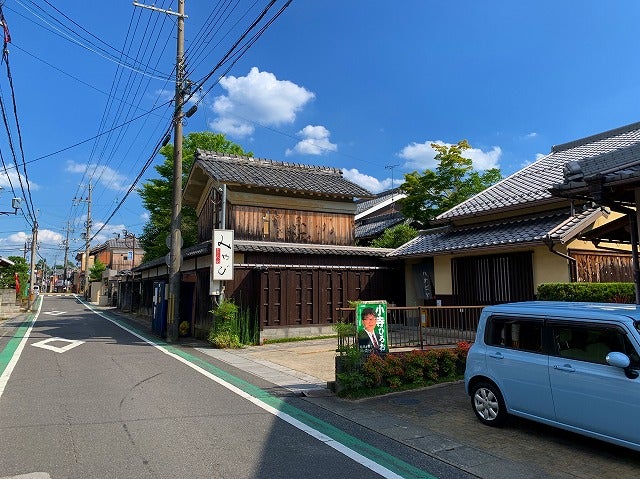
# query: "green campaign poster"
[[371, 321]]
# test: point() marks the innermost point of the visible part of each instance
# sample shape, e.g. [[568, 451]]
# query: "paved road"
[[87, 398]]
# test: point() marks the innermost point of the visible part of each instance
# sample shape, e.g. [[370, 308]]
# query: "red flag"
[[15, 275]]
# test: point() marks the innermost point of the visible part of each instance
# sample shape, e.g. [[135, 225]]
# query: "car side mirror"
[[621, 360]]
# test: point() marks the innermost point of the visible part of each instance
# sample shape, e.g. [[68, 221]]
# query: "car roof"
[[570, 310]]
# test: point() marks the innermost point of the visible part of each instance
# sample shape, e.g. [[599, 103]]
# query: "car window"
[[514, 333], [592, 343]]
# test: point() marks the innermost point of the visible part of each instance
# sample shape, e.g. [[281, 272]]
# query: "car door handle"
[[565, 367], [496, 355]]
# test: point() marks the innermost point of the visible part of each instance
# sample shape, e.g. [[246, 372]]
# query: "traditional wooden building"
[[120, 256], [500, 244], [294, 254]]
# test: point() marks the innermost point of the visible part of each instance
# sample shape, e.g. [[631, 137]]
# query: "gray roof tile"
[[364, 205], [314, 249], [204, 248], [377, 225], [532, 183], [258, 172], [522, 231]]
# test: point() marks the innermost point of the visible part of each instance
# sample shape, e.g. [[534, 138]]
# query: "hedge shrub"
[[594, 292]]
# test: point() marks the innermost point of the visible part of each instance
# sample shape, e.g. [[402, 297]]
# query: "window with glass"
[[515, 333], [592, 343]]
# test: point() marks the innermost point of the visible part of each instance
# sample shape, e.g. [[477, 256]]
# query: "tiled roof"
[[258, 172], [118, 243], [381, 198], [613, 166], [377, 224], [204, 248], [556, 226], [315, 249], [532, 183]]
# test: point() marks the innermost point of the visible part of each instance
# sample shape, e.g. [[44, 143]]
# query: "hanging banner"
[[222, 255], [371, 320]]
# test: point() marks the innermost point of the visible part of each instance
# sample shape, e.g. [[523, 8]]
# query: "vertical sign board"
[[222, 255], [371, 321]]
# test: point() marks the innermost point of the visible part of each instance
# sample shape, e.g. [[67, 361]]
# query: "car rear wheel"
[[488, 404]]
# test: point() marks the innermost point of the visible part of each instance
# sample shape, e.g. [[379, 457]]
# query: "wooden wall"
[[595, 267], [261, 217], [291, 226]]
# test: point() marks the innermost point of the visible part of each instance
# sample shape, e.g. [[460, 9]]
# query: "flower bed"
[[359, 375]]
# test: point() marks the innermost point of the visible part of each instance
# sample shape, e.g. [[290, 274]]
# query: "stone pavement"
[[437, 421]]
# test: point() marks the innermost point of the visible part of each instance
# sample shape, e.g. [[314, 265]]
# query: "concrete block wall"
[[8, 304]]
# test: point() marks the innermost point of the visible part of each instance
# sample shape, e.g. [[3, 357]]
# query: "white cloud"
[[49, 237], [315, 142], [108, 232], [533, 134], [46, 238], [11, 177], [368, 182], [258, 97], [421, 156], [108, 177]]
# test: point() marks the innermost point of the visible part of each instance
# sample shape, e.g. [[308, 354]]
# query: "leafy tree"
[[453, 181], [7, 274], [95, 272], [395, 236], [157, 194]]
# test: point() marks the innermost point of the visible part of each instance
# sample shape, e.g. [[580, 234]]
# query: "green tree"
[[395, 236], [7, 274], [453, 181], [157, 194], [95, 272]]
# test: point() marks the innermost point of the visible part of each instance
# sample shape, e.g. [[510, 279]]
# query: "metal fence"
[[423, 326]]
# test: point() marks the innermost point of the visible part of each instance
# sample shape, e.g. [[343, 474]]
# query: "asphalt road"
[[83, 397]]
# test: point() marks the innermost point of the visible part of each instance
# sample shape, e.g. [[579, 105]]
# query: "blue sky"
[[361, 85]]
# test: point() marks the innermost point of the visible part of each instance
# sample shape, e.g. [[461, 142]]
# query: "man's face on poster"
[[369, 322]]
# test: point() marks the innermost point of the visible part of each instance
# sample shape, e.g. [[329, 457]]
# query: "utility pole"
[[66, 258], [32, 276], [128, 235], [87, 237], [175, 254], [173, 316]]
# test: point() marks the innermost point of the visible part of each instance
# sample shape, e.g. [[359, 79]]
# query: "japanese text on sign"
[[222, 255]]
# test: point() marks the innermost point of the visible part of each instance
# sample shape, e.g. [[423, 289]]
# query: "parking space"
[[521, 449]]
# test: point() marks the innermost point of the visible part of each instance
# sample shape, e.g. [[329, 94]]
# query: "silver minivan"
[[569, 365]]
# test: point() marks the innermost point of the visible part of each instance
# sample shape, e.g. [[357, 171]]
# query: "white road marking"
[[58, 349]]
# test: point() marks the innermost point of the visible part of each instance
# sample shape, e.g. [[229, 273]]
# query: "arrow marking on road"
[[58, 349]]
